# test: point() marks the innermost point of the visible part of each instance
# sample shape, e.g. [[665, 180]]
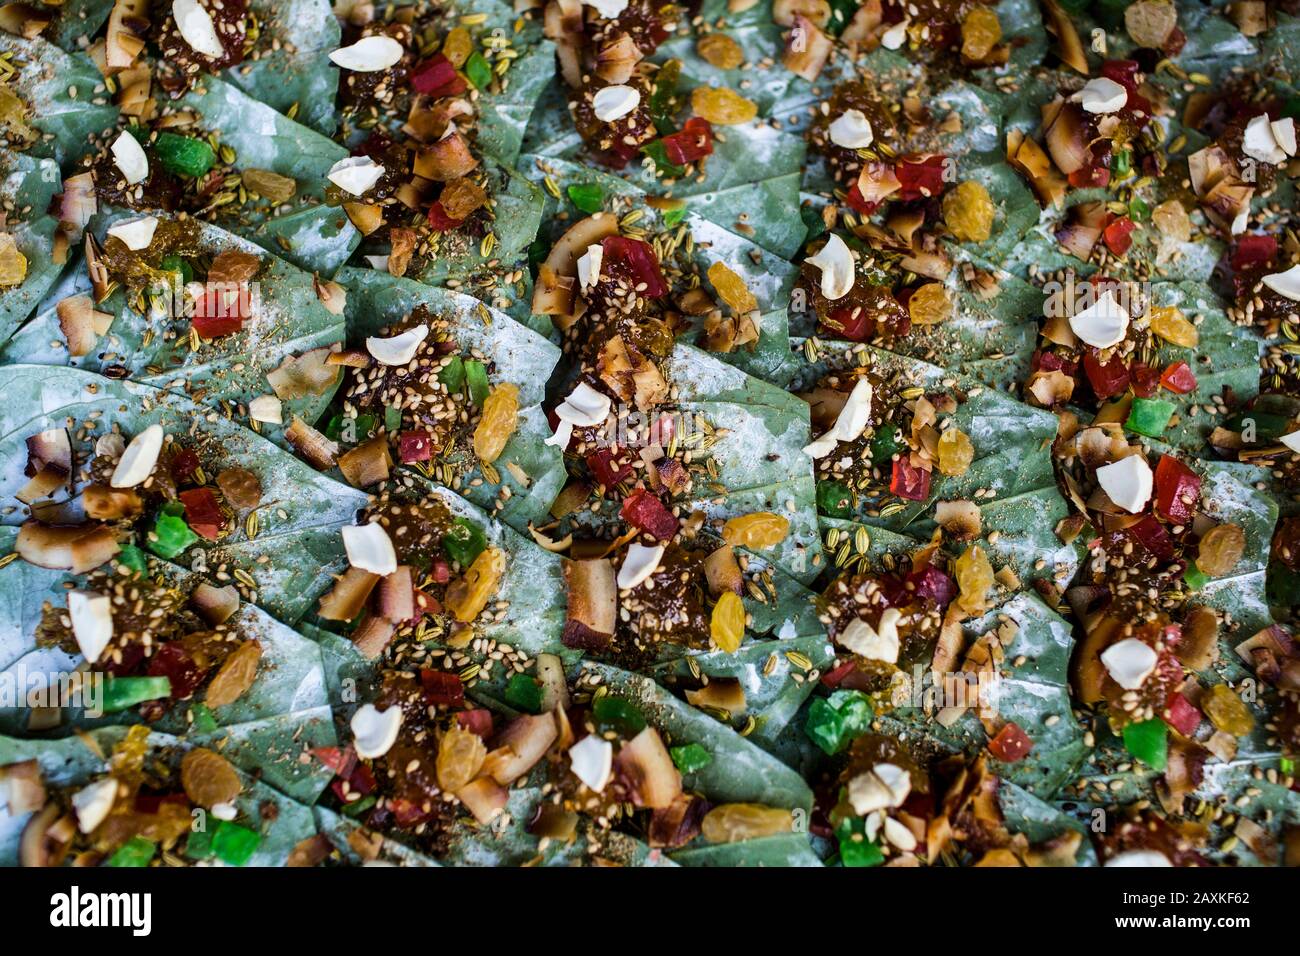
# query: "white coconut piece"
[[1103, 323], [93, 803], [895, 36], [196, 28], [585, 407], [369, 548], [883, 787], [614, 102], [592, 761], [836, 263], [136, 234], [1101, 94], [850, 423], [1127, 482], [92, 622], [1129, 662], [225, 811], [266, 409], [641, 562], [397, 349], [1284, 133], [851, 130], [589, 266], [129, 157], [1146, 858], [355, 174], [369, 54], [138, 460], [374, 731], [879, 643], [1285, 284], [608, 9], [1258, 141], [1292, 441]]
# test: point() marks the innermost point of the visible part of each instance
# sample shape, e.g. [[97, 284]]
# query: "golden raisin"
[[756, 531], [955, 452], [733, 822], [968, 212], [500, 417], [727, 626], [980, 33], [460, 757], [1220, 549], [467, 597], [929, 305], [974, 578], [731, 289], [457, 47], [236, 675], [722, 106], [234, 267], [720, 50], [262, 182], [1170, 324], [13, 264], [240, 487], [208, 778], [1226, 711]]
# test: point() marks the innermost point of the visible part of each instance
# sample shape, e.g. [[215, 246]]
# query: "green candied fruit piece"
[[855, 848], [233, 844], [452, 374], [123, 692], [690, 758], [659, 153], [135, 852], [202, 719], [358, 807], [184, 155], [1148, 741], [477, 378], [478, 71], [824, 726], [133, 558], [834, 499], [885, 444], [1194, 577], [1150, 416], [587, 197], [198, 845], [464, 541], [524, 693], [855, 707], [618, 713], [675, 215], [171, 535]]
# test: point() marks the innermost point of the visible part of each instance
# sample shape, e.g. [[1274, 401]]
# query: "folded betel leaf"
[[197, 310], [118, 646], [33, 250], [457, 388], [1060, 839], [94, 468], [727, 295], [433, 119], [277, 52], [52, 104], [131, 797]]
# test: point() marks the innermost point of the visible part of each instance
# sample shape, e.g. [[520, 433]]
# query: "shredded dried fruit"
[[13, 264]]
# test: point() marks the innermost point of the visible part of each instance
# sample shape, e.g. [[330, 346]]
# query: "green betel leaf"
[[71, 763], [62, 112], [27, 186], [1041, 822], [307, 231], [291, 547], [150, 339], [1032, 690], [513, 354]]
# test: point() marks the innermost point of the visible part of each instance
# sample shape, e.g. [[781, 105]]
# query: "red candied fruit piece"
[[853, 323], [603, 468], [1179, 378], [858, 202], [1250, 252], [339, 759], [1106, 378], [221, 310], [638, 261], [694, 141], [202, 513], [174, 662], [1118, 236], [184, 464], [908, 482], [1010, 744], [644, 511], [835, 676], [1123, 72], [414, 446], [933, 585], [1181, 714], [476, 721], [1151, 535], [442, 688], [1145, 380], [1176, 486], [439, 221], [921, 176], [437, 77]]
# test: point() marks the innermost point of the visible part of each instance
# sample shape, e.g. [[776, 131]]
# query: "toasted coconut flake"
[[367, 464], [593, 594], [348, 596], [304, 375], [215, 605], [319, 451], [959, 520]]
